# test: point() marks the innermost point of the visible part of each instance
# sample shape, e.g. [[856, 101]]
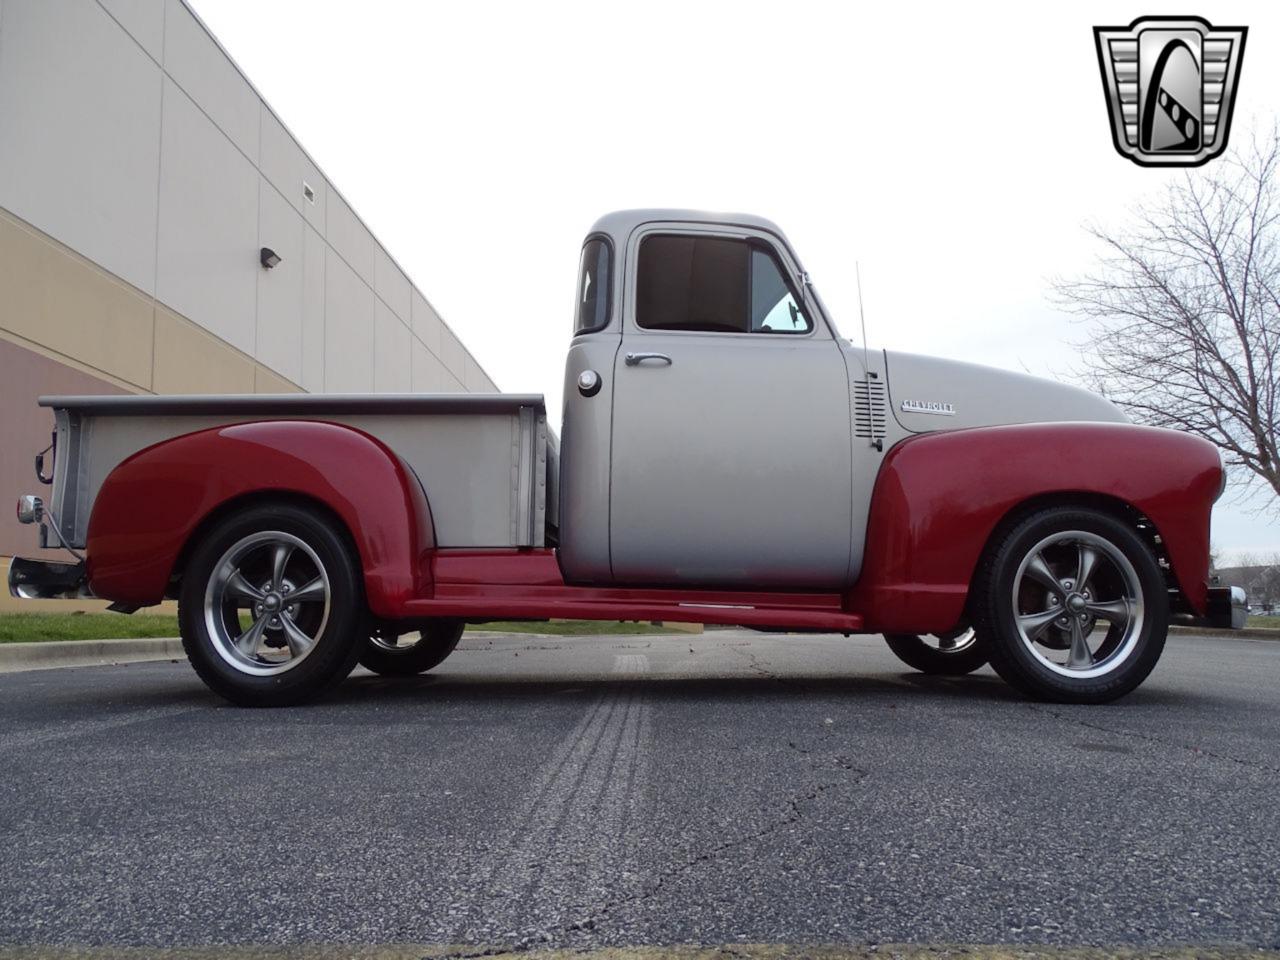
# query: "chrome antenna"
[[866, 355]]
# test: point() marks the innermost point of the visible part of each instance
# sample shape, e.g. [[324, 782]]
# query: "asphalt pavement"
[[540, 792]]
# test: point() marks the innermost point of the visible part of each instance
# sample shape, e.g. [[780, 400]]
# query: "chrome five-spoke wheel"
[[941, 654], [271, 604], [267, 603], [1073, 604], [400, 650], [1079, 603]]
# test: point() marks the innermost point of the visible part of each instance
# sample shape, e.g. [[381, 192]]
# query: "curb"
[[42, 655], [1248, 633]]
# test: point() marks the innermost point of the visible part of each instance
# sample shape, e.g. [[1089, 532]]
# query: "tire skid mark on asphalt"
[[571, 838], [21, 739], [841, 773]]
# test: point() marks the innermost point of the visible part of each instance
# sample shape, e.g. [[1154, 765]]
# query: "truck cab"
[[754, 432]]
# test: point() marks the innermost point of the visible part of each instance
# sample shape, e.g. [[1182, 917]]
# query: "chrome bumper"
[[47, 580], [1228, 608]]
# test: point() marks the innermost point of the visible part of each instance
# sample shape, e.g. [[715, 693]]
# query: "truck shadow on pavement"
[[459, 689]]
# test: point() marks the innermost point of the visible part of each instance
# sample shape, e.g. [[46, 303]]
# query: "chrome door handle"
[[635, 359]]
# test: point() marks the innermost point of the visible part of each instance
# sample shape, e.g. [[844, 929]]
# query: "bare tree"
[[1185, 305]]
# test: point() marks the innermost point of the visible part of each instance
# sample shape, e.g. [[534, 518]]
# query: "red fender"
[[939, 497], [150, 504]]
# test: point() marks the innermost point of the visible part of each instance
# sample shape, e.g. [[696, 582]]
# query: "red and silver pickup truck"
[[726, 458]]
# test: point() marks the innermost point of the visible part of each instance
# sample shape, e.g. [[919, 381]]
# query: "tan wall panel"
[[188, 360], [265, 381], [24, 431], [58, 299]]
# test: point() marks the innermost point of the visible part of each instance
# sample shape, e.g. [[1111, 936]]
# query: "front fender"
[[939, 497], [151, 504]]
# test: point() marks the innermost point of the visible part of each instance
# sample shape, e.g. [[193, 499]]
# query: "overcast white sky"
[[955, 150]]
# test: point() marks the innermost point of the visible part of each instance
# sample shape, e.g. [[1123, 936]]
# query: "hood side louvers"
[[868, 410]]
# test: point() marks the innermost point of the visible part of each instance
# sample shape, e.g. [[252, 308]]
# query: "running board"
[[527, 585]]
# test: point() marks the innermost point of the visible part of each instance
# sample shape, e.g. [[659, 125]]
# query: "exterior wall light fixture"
[[268, 257]]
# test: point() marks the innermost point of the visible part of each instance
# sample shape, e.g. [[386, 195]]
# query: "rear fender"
[[152, 503], [940, 497]]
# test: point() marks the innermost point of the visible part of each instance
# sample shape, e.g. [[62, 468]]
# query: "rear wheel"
[[272, 607], [947, 655], [401, 655], [1075, 606]]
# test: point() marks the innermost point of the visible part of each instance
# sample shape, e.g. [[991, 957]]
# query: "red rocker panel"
[[150, 504]]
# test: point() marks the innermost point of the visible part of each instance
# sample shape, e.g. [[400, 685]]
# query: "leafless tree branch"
[[1183, 310]]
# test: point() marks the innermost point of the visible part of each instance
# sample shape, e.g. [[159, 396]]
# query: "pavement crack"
[[756, 667], [1152, 739], [476, 954], [791, 814]]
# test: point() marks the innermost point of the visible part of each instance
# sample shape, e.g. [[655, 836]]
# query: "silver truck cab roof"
[[619, 224]]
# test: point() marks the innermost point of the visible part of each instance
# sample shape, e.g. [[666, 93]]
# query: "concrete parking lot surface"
[[541, 792]]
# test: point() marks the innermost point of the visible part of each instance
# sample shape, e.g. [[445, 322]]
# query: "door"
[[730, 463]]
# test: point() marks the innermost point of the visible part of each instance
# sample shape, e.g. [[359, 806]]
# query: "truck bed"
[[487, 461]]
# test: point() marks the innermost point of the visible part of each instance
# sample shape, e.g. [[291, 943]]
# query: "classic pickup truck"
[[727, 458]]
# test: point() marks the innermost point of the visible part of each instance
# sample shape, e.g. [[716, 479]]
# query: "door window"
[[714, 285]]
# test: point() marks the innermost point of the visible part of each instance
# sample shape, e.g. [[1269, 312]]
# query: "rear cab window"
[[715, 285], [591, 312]]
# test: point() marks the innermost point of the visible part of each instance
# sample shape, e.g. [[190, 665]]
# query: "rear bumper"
[[47, 580]]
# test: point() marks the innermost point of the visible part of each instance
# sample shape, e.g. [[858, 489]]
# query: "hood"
[[928, 393]]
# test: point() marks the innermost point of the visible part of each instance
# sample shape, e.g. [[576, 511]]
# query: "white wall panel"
[[347, 235], [428, 371], [208, 251], [313, 312], [280, 289], [348, 341], [392, 285], [452, 354], [196, 62], [391, 352], [475, 381], [80, 133], [426, 324], [144, 19], [285, 164]]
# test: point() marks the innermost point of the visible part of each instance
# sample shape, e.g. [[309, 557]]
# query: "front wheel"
[[272, 606], [400, 655], [1075, 606], [946, 655]]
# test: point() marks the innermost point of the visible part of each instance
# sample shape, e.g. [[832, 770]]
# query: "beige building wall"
[[141, 174]]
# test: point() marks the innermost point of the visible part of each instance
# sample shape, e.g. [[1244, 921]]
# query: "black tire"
[[1118, 662], [940, 660], [437, 639], [339, 627]]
